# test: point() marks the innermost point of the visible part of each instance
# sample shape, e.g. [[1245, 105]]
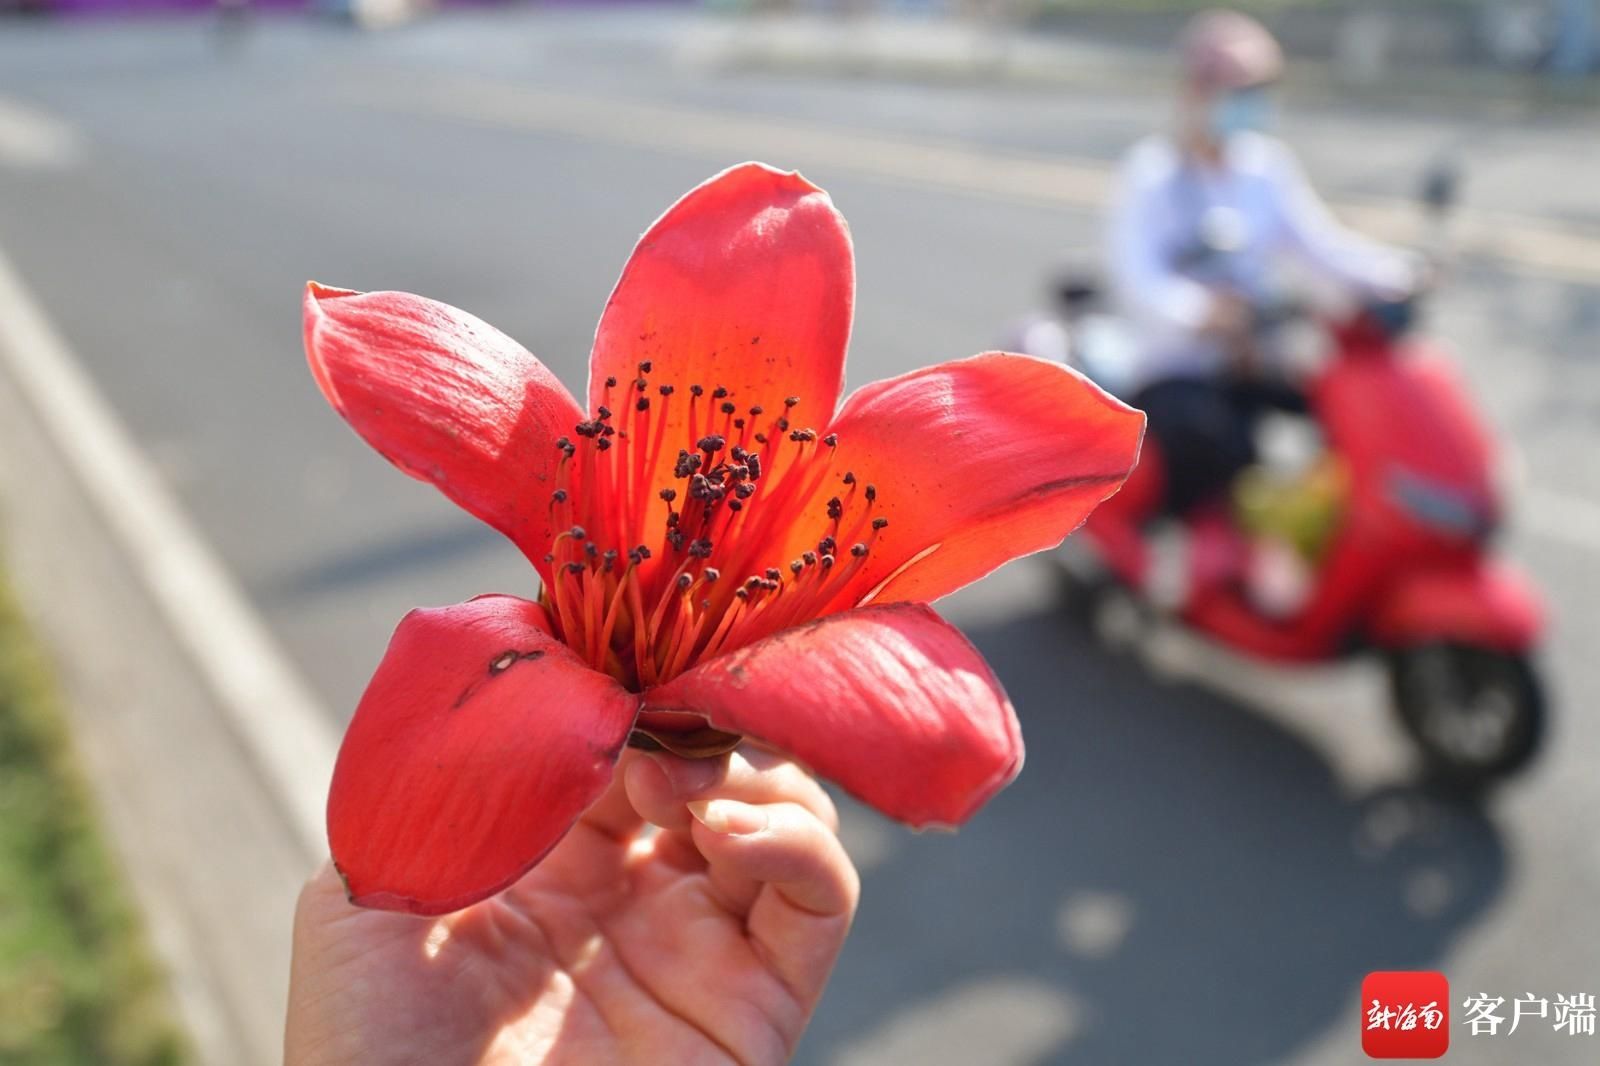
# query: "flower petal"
[[890, 701], [975, 463], [448, 399], [747, 282], [479, 741]]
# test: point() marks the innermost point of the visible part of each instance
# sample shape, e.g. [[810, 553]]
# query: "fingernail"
[[688, 776], [729, 817]]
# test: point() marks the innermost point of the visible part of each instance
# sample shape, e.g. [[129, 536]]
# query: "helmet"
[[1223, 50]]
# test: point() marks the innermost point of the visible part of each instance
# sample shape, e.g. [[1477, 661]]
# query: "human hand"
[[707, 942], [1228, 318]]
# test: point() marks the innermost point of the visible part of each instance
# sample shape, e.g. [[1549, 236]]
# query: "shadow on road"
[[1186, 881]]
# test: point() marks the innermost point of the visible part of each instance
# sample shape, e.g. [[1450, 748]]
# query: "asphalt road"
[[1200, 861]]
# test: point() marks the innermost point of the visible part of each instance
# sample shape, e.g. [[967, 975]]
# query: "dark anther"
[[737, 453], [668, 494], [804, 435], [741, 594], [696, 390], [573, 568], [684, 581], [602, 413], [835, 509], [577, 533], [783, 425], [826, 561], [610, 558], [672, 519], [634, 557], [549, 557], [755, 411], [665, 390], [700, 549], [735, 506], [752, 582], [644, 553], [827, 545], [641, 384], [858, 550], [761, 438], [559, 496], [562, 444], [719, 393], [644, 367], [752, 463], [831, 440], [728, 407], [642, 404], [810, 558], [711, 573], [849, 477], [711, 443], [592, 549], [585, 429], [791, 401], [611, 383], [608, 430], [744, 490], [676, 539], [738, 423], [872, 493], [773, 573], [603, 443], [879, 522], [687, 464], [796, 566]]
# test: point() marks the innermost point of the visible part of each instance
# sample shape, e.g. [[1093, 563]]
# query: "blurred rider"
[[1199, 220]]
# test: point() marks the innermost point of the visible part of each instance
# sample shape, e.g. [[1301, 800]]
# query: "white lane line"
[[33, 140], [1520, 241], [273, 712]]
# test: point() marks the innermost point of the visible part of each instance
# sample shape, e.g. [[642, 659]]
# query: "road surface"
[[1201, 860]]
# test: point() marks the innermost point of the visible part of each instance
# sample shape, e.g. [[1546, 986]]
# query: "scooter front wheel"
[[1477, 714]]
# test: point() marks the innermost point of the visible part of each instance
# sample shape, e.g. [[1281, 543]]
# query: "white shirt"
[[1171, 216]]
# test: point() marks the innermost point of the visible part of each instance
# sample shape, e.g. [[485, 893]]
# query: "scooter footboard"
[[1488, 604]]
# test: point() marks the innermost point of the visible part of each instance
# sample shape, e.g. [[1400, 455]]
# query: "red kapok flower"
[[724, 550]]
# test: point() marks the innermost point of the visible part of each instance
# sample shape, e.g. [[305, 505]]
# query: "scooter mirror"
[[1441, 185]]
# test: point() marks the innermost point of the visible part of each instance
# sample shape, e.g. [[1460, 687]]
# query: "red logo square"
[[1405, 1014]]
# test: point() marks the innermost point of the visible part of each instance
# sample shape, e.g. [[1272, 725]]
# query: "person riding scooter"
[[1199, 221]]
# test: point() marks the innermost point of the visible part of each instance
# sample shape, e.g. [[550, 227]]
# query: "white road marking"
[[1531, 244], [33, 140], [273, 712]]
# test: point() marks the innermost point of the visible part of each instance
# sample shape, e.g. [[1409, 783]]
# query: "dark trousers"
[[1206, 431]]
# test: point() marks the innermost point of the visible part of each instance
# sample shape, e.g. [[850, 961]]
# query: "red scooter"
[[1406, 566]]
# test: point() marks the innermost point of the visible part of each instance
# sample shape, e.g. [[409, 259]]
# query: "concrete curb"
[[195, 806]]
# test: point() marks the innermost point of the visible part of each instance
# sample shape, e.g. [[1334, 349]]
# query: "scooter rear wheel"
[[1477, 714]]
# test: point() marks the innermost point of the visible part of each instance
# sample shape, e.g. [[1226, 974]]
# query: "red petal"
[[479, 741], [745, 283], [975, 463], [891, 702], [448, 399]]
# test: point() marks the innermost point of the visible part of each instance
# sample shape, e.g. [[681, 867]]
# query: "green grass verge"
[[77, 983]]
